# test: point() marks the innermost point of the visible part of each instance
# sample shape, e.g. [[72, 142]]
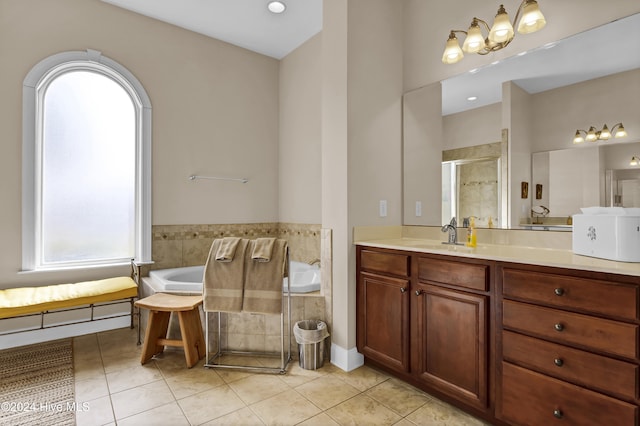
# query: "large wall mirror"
[[536, 102]]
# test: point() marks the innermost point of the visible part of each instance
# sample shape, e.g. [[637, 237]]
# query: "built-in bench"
[[31, 301]]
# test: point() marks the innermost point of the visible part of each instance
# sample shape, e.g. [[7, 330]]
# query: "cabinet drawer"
[[530, 398], [600, 297], [386, 263], [608, 336], [597, 372], [460, 274]]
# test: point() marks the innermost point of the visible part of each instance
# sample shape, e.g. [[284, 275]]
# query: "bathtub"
[[304, 278]]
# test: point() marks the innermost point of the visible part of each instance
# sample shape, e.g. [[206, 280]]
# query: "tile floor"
[[118, 390]]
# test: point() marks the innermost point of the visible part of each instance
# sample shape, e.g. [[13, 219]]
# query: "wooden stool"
[[160, 306]]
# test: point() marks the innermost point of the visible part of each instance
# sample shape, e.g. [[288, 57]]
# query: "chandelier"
[[593, 135], [499, 35]]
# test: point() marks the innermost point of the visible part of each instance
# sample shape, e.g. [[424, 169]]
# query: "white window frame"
[[42, 73]]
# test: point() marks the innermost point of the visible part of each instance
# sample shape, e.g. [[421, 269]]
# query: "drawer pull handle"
[[402, 289], [559, 291], [558, 327], [557, 413], [419, 292], [558, 361]]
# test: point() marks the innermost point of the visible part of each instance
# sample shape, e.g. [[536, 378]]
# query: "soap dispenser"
[[472, 240]]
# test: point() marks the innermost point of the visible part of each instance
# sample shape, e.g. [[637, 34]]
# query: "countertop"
[[509, 253]]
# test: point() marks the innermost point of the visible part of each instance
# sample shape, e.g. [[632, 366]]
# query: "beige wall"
[[422, 154], [203, 92], [474, 127], [361, 138], [300, 122], [556, 114]]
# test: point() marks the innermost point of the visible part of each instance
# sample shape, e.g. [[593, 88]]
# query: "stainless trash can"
[[310, 335]]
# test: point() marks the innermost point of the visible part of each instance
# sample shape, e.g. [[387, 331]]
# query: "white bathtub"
[[305, 278]]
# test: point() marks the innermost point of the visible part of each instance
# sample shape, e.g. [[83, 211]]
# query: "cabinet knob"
[[402, 289], [557, 413], [558, 327], [559, 291], [419, 292], [558, 361]]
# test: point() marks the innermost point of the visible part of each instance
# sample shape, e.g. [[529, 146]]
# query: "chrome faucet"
[[452, 228]]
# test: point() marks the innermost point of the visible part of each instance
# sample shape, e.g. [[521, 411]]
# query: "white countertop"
[[509, 253]]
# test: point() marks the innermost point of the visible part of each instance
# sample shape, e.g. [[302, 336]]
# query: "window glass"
[[88, 151]]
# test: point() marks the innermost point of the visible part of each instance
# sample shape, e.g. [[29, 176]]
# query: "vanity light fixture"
[[499, 35], [276, 7], [635, 160], [593, 135]]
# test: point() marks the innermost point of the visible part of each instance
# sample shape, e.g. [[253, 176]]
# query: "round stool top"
[[169, 302]]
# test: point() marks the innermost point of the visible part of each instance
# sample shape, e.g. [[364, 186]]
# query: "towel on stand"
[[227, 249], [263, 280], [223, 281], [262, 249]]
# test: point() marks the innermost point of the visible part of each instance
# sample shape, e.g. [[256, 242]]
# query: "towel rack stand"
[[285, 355]]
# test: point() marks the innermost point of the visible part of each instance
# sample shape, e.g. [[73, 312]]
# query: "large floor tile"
[[242, 417], [327, 391], [398, 396], [363, 410], [321, 419], [287, 408], [362, 378], [209, 405], [98, 412], [165, 415], [132, 377], [187, 382], [141, 398], [258, 387], [435, 413], [89, 389]]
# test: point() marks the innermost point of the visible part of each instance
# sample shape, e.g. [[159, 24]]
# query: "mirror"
[[541, 112], [568, 179]]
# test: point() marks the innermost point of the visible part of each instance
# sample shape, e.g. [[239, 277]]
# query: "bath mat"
[[37, 385]]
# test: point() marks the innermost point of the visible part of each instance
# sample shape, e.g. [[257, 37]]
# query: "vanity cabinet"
[[382, 308], [513, 343], [426, 318], [568, 344], [450, 341]]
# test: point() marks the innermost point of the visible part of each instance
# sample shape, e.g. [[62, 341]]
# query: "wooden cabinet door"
[[383, 320], [450, 342]]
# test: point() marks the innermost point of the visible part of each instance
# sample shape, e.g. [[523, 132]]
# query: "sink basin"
[[432, 245]]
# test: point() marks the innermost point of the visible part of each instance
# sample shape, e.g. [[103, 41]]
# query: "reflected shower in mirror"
[[472, 184]]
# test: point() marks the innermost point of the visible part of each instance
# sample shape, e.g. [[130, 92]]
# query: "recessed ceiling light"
[[549, 45], [473, 71], [472, 98], [276, 7], [522, 53]]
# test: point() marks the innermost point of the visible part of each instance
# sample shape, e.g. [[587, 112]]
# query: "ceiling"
[[605, 50], [244, 23]]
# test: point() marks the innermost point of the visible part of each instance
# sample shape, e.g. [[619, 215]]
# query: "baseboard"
[[346, 359]]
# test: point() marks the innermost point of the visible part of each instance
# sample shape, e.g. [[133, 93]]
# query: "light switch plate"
[[383, 208]]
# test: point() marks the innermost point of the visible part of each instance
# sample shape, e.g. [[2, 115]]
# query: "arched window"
[[86, 164]]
